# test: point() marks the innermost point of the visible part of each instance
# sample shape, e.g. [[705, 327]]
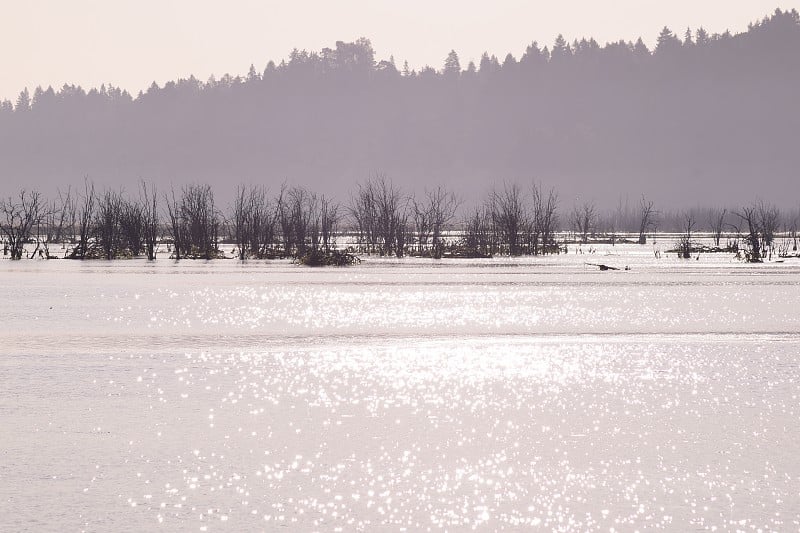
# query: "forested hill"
[[700, 119]]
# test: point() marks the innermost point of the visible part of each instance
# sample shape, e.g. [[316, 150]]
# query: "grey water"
[[401, 395]]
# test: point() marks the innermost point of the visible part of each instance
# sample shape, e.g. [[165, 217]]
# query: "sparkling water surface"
[[401, 395]]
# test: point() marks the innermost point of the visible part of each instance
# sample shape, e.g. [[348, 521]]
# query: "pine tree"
[[23, 101], [452, 66]]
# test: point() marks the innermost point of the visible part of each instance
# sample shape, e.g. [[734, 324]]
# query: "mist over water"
[[407, 394], [699, 118]]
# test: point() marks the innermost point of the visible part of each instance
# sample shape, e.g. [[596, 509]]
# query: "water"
[[401, 395]]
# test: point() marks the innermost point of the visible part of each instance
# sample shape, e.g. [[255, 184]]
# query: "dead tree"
[[769, 219], [200, 222], [241, 221], [442, 208], [646, 218], [299, 220], [329, 220], [85, 218], [176, 229], [69, 205], [421, 216], [132, 223], [378, 211], [19, 220], [263, 225], [583, 220], [685, 240], [430, 217], [364, 215], [284, 216], [302, 212], [716, 220], [149, 205], [391, 217], [56, 220], [107, 227], [477, 238], [401, 232], [545, 219], [749, 216], [509, 217], [252, 222]]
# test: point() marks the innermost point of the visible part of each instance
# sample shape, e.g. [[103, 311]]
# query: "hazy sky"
[[133, 43]]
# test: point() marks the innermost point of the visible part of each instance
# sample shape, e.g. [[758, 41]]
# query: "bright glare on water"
[[408, 395]]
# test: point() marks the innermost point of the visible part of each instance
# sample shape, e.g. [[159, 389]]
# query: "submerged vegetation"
[[379, 219]]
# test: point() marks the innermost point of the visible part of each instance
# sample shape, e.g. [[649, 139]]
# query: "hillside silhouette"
[[699, 119]]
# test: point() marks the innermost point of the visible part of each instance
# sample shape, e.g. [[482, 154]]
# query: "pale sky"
[[130, 44]]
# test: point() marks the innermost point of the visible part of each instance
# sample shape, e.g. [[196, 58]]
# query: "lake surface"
[[401, 395]]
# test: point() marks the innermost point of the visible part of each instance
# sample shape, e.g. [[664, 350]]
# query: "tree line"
[[703, 115], [379, 218]]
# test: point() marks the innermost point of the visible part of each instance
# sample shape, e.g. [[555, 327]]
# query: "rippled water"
[[401, 395]]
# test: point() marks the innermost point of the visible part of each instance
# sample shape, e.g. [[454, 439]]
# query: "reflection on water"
[[493, 400]]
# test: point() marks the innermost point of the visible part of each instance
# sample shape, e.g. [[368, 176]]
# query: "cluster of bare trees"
[[306, 222], [387, 222], [758, 225], [20, 217], [511, 222], [752, 231], [586, 222], [108, 225], [379, 219], [194, 222]]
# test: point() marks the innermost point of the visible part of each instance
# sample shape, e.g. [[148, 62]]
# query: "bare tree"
[[253, 222], [584, 218], [149, 204], [19, 220], [442, 208], [69, 205], [301, 221], [302, 213], [82, 248], [132, 224], [264, 219], [379, 212], [364, 214], [420, 213], [175, 225], [200, 220], [430, 216], [242, 221], [509, 216], [329, 220], [401, 232], [716, 220], [685, 242], [478, 236], [545, 219], [769, 218], [284, 217], [56, 220], [391, 217], [107, 228], [646, 218], [749, 216]]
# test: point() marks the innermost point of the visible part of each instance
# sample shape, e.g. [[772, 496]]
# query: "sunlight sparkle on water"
[[484, 395]]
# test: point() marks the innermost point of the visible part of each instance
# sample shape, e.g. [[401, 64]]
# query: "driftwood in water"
[[602, 267]]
